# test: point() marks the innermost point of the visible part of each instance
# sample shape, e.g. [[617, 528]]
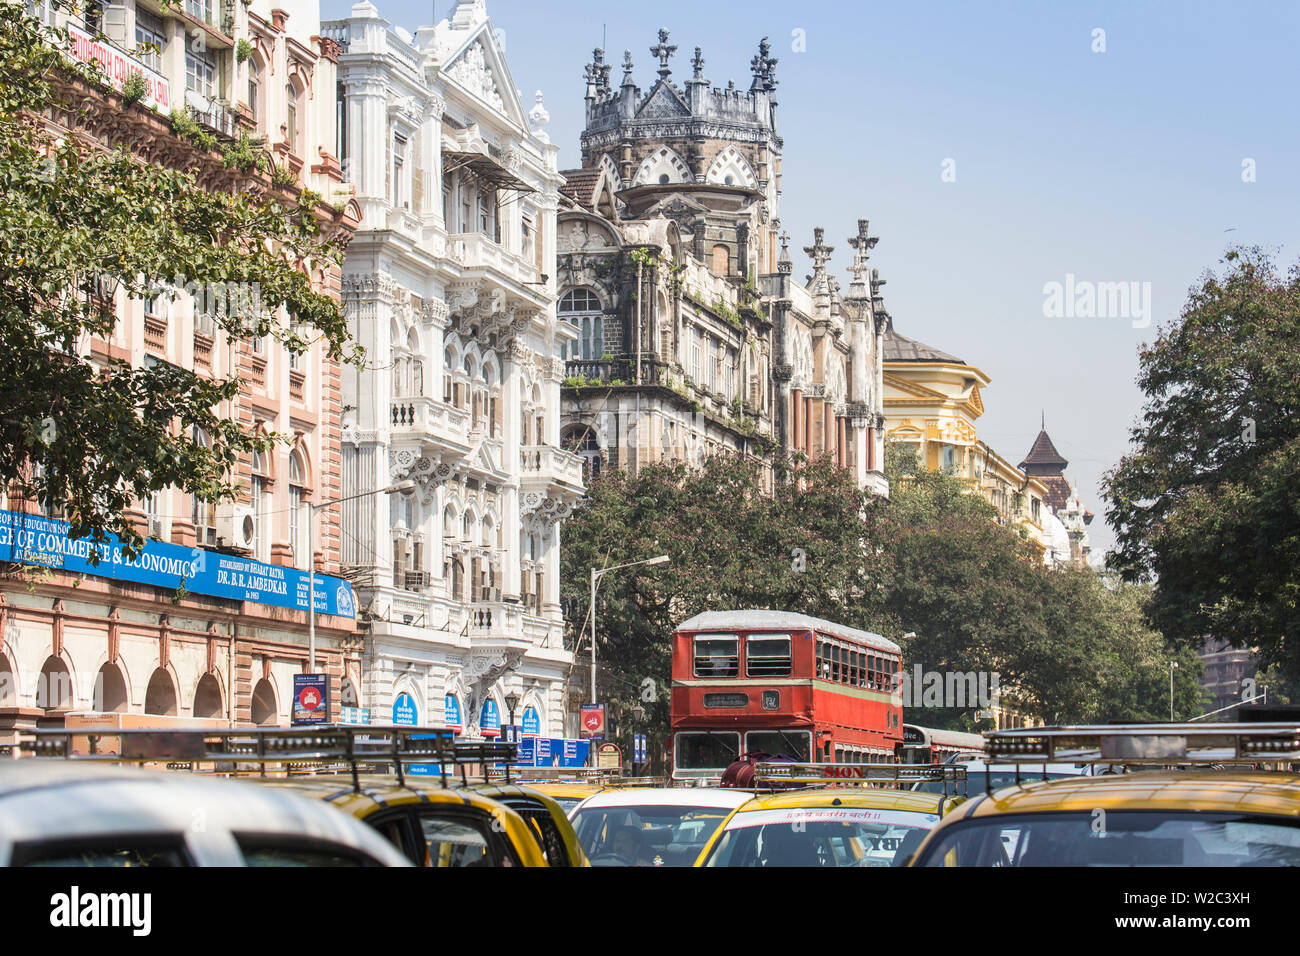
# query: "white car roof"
[[53, 801], [1027, 770], [719, 797]]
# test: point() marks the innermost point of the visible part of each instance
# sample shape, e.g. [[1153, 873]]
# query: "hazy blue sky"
[[1123, 165]]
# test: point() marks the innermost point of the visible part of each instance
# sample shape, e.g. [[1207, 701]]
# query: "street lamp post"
[[638, 714], [1172, 665], [596, 574], [402, 487], [512, 701]]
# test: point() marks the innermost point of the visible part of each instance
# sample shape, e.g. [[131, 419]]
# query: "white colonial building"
[[445, 286]]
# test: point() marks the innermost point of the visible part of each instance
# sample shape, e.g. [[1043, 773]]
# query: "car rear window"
[[260, 851], [116, 851]]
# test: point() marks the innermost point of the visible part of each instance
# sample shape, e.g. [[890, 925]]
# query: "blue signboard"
[[310, 699], [489, 719], [451, 712], [543, 752], [405, 712], [354, 715], [526, 753], [532, 722], [32, 539]]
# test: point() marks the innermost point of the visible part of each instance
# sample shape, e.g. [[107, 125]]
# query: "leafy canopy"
[[86, 225]]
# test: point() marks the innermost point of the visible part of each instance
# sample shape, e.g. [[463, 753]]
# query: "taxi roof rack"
[[1147, 744], [856, 773], [353, 744]]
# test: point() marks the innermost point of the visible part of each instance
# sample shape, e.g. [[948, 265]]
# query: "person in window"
[[627, 846]]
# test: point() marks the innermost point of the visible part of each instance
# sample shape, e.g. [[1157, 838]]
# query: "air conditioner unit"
[[235, 526], [156, 528]]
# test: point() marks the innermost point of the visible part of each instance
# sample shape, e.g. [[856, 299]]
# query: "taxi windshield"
[[646, 835], [977, 780], [821, 837], [1119, 838]]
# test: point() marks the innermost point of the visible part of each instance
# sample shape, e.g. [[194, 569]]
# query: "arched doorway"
[[110, 690], [348, 693], [265, 710], [160, 696], [207, 698], [54, 692]]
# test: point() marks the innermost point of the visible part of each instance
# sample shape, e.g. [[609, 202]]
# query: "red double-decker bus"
[[780, 683]]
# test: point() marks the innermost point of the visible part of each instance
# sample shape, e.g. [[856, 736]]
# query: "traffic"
[[787, 752]]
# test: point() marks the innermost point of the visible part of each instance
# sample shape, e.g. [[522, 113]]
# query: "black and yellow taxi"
[[1169, 795]]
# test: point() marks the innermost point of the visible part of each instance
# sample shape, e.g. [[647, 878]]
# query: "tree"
[[1205, 504], [732, 546], [84, 226]]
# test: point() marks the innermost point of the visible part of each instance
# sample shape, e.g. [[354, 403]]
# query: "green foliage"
[[134, 89], [282, 177], [1205, 505], [82, 230], [184, 124], [1067, 645], [243, 50], [245, 156]]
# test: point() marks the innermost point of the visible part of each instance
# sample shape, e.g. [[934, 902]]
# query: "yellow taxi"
[[567, 795], [831, 824], [546, 818], [1168, 795]]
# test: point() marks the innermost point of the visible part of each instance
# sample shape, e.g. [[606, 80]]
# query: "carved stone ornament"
[[471, 71], [427, 473], [544, 509]]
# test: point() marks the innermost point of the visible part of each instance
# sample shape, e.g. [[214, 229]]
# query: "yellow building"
[[932, 400]]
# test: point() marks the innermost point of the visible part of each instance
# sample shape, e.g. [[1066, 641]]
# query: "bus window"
[[792, 743], [700, 751], [717, 655], [767, 656], [835, 662]]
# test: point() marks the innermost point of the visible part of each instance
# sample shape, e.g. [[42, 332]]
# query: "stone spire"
[[663, 50], [783, 263], [697, 63], [762, 66], [818, 286], [597, 73], [627, 68]]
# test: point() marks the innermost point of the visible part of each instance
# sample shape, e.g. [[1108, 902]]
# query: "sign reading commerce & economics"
[[36, 540]]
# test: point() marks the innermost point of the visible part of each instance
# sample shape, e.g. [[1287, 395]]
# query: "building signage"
[[489, 719], [543, 751], [532, 722], [552, 752], [36, 540], [593, 720], [117, 66], [726, 700], [609, 757], [405, 713], [310, 699], [354, 715], [451, 712]]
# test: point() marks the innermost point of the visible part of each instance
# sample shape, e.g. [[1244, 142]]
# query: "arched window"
[[207, 698], [264, 708], [721, 260], [291, 118], [160, 697], [299, 511], [54, 692], [110, 690], [582, 309]]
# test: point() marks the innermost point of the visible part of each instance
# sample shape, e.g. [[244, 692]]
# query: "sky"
[[996, 148]]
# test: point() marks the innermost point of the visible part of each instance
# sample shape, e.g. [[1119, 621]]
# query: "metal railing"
[[323, 748], [1147, 744]]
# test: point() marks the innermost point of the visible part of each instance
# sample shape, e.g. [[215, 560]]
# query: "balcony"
[[606, 372], [412, 580], [543, 468], [475, 251], [429, 420]]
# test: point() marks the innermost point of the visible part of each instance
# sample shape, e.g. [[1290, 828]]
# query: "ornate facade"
[[74, 643], [691, 336], [446, 287]]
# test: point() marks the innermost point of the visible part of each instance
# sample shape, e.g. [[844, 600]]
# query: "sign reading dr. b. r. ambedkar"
[[32, 539]]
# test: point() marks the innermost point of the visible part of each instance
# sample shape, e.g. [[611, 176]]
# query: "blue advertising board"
[[310, 699], [532, 722], [552, 752], [405, 713], [543, 751], [489, 719], [525, 755], [451, 712], [354, 715], [36, 540]]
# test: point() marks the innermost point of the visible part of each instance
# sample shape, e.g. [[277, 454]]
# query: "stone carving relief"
[[471, 71], [427, 473]]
